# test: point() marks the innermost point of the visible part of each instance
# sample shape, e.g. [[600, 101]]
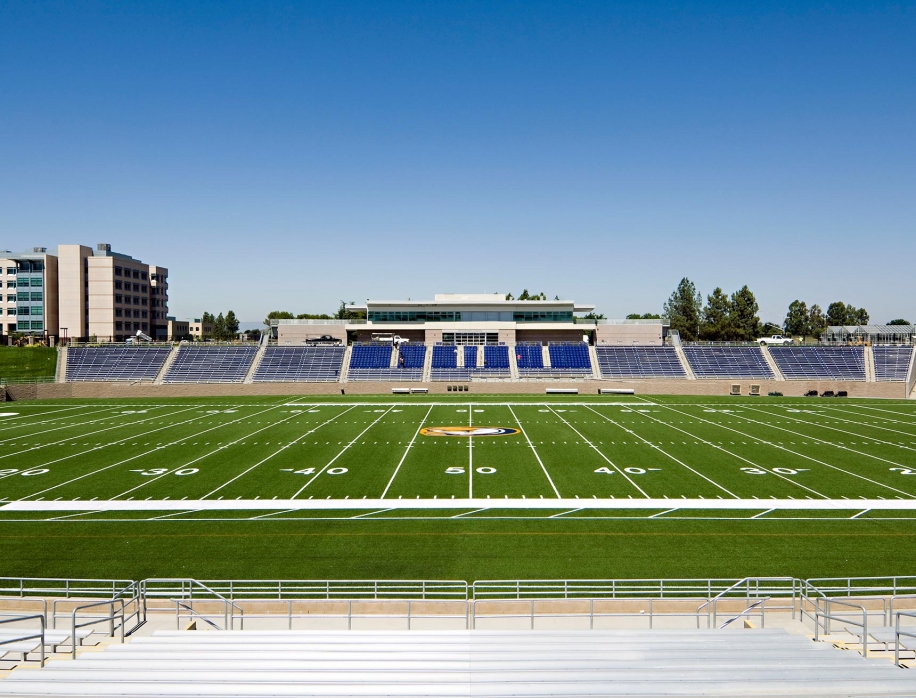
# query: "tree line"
[[225, 327]]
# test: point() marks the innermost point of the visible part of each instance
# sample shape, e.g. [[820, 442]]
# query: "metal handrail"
[[111, 619], [39, 636], [745, 612], [229, 606], [409, 615], [206, 620], [826, 614], [898, 633]]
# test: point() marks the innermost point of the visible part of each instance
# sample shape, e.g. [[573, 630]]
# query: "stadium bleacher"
[[372, 362], [470, 357], [444, 364], [495, 361], [300, 365], [236, 663], [569, 358], [817, 363], [115, 363], [728, 362], [208, 364], [529, 357], [892, 363], [639, 362]]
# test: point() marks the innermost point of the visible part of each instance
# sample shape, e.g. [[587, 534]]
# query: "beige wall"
[[546, 336], [72, 289], [52, 306], [642, 387], [295, 335], [626, 335], [412, 335], [101, 298]]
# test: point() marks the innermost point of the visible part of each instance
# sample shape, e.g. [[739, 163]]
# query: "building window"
[[11, 271], [143, 275], [37, 281], [38, 325], [136, 274], [37, 310], [11, 298], [136, 313], [144, 314], [117, 271], [11, 311], [118, 285], [118, 298], [143, 289], [11, 284], [22, 296], [119, 312], [119, 326], [145, 326], [136, 300], [37, 296], [23, 281]]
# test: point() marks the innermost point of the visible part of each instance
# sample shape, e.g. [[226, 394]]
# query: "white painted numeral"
[[337, 471], [151, 472], [454, 471], [606, 471], [187, 471], [754, 471], [905, 471], [306, 471], [486, 471], [34, 471], [634, 471], [785, 471]]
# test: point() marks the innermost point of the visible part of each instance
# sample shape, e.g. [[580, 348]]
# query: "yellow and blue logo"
[[468, 431]]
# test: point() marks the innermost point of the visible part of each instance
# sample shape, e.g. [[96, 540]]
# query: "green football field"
[[465, 487]]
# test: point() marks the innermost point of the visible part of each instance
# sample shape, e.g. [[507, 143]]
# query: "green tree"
[[715, 323], [817, 323], [644, 316], [219, 327], [232, 325], [856, 316], [836, 314], [278, 315], [593, 316], [797, 322], [899, 321], [206, 318], [683, 310], [744, 323]]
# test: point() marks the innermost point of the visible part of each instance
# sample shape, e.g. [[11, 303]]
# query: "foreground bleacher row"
[[382, 362], [477, 663]]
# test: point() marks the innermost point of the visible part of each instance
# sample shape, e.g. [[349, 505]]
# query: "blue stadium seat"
[[115, 363], [206, 364], [817, 363], [728, 362], [639, 362], [300, 365], [892, 363], [372, 362]]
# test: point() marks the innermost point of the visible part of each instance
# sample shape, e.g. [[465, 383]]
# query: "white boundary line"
[[406, 451], [535, 452], [475, 505], [45, 421]]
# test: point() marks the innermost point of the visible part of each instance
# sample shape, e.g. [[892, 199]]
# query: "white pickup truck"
[[776, 339]]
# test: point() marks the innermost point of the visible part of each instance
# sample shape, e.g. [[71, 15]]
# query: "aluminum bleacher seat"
[[728, 362], [232, 664], [818, 363], [528, 356], [892, 363], [115, 363], [569, 359], [639, 362], [495, 361], [372, 362], [470, 357], [210, 364], [444, 366], [300, 365]]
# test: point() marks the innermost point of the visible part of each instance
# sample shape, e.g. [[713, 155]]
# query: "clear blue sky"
[[289, 155]]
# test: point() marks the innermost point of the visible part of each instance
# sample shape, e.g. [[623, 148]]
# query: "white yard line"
[[111, 443], [470, 454], [789, 450], [275, 453], [595, 448], [856, 516], [762, 513], [370, 513], [661, 513], [44, 421], [139, 455], [272, 513], [732, 455], [345, 449], [79, 513], [91, 433], [665, 453], [564, 513], [535, 452], [818, 425], [468, 513], [406, 451], [174, 513]]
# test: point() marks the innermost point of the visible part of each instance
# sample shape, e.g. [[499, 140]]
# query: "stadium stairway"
[[60, 375], [170, 359], [428, 364], [513, 363], [771, 362], [593, 357], [682, 357], [345, 366], [258, 357], [232, 664], [869, 365], [545, 356]]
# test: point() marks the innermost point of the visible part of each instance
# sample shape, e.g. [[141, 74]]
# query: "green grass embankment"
[[27, 363]]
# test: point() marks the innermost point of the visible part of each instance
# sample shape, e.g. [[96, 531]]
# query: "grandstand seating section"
[[470, 357], [570, 358], [210, 364], [372, 362], [414, 355], [529, 357], [300, 364], [115, 363], [892, 363], [639, 362], [444, 364], [728, 362], [813, 363], [495, 361], [544, 663]]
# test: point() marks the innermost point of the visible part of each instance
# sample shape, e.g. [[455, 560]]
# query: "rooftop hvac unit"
[[103, 247]]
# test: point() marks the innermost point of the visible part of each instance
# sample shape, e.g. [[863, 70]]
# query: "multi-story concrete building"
[[81, 294], [29, 288], [200, 329], [474, 319]]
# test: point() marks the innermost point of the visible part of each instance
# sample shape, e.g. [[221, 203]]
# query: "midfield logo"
[[468, 431]]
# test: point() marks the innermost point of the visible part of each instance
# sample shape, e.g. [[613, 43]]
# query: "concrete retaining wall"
[[45, 391]]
